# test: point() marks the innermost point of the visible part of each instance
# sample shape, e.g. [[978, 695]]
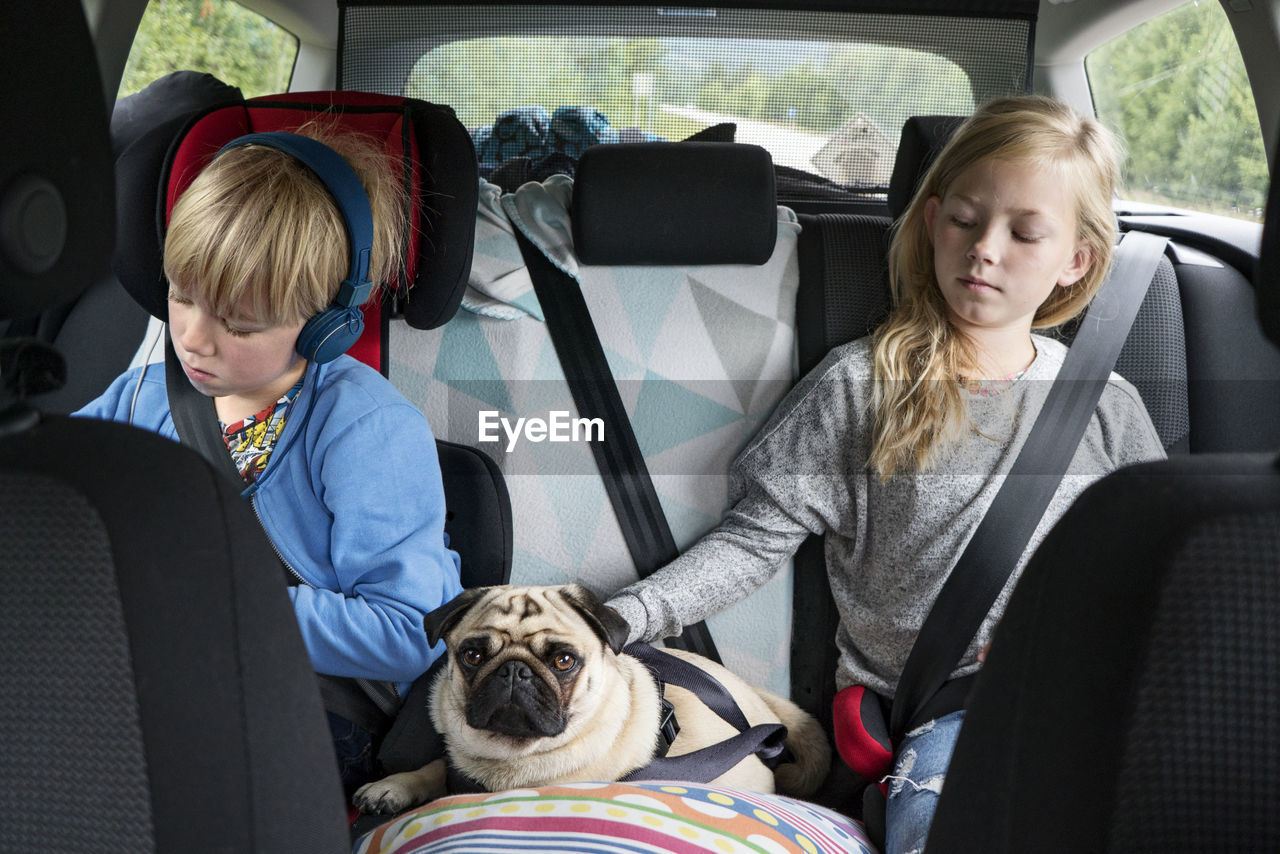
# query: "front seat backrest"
[[155, 694]]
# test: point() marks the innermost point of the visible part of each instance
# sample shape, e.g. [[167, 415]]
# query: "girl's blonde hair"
[[257, 230], [918, 404]]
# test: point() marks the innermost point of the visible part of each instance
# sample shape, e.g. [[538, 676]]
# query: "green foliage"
[[483, 77], [1176, 92], [220, 37]]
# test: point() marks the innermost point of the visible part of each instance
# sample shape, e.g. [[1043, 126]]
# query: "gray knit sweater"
[[889, 545]]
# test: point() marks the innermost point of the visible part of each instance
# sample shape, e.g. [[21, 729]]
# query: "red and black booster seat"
[[430, 146], [435, 154]]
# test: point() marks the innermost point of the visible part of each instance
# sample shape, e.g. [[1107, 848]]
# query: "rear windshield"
[[826, 93]]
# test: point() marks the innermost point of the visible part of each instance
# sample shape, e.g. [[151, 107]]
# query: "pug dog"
[[538, 691]]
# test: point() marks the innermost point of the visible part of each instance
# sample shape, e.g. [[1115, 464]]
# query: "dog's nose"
[[514, 671]]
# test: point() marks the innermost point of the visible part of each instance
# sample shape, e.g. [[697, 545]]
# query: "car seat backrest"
[[428, 144], [701, 346], [155, 690]]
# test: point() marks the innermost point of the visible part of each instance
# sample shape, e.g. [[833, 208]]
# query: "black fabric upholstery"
[[67, 658], [1129, 701], [477, 514], [844, 282], [1234, 371], [99, 332], [715, 204], [55, 197], [923, 137], [235, 746]]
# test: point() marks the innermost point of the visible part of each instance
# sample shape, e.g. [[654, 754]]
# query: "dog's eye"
[[564, 661], [472, 657]]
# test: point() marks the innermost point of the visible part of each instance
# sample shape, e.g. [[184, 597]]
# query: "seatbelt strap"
[[195, 417], [1001, 537], [619, 459]]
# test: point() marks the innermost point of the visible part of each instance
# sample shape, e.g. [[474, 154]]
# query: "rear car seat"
[[1129, 699], [701, 353], [1179, 363]]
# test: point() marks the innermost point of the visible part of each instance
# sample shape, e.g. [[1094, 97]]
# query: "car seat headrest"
[[427, 141], [669, 203], [56, 187], [922, 138], [165, 98]]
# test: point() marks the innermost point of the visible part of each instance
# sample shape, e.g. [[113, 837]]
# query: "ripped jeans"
[[918, 771]]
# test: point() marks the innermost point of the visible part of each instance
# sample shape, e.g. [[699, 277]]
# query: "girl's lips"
[[978, 284]]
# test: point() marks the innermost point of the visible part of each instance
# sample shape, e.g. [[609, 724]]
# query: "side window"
[[1176, 92], [220, 37]]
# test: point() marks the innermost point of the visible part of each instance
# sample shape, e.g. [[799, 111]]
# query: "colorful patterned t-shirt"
[[250, 440]]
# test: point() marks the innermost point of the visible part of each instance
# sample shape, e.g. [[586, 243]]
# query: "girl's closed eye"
[[178, 298], [960, 222]]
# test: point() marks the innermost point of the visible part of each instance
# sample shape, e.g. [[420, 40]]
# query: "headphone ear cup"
[[330, 333]]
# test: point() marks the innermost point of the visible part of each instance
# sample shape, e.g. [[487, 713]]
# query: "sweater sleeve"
[[732, 561], [790, 481]]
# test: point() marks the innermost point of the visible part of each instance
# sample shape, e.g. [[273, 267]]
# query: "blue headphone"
[[331, 333]]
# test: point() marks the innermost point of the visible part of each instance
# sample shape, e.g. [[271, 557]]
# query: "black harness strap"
[[766, 741], [1002, 535], [619, 458]]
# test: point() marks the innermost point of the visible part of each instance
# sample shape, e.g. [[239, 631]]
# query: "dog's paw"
[[384, 797]]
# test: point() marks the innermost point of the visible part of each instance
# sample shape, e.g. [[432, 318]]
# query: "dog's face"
[[529, 666]]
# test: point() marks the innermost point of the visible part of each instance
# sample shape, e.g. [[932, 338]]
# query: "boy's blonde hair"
[[919, 405], [259, 226]]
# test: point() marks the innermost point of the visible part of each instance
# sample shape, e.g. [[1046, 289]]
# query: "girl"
[[894, 446], [342, 469]]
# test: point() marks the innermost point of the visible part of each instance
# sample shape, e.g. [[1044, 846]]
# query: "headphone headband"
[[330, 333], [342, 183]]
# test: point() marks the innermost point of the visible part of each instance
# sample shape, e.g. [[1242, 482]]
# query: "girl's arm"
[[732, 561]]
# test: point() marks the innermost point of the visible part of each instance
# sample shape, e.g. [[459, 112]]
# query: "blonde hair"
[[918, 404], [257, 230]]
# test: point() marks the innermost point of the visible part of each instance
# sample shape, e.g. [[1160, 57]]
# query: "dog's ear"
[[447, 615], [603, 620]]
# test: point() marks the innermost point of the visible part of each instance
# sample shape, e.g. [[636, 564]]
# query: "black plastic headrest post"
[[669, 203]]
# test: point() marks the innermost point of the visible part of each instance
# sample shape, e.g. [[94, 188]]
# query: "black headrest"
[[674, 203], [1267, 281], [922, 138], [163, 99], [57, 213]]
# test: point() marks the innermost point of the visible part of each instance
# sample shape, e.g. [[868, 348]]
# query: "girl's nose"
[[985, 248]]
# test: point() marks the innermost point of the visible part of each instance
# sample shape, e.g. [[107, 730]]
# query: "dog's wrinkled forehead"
[[523, 613]]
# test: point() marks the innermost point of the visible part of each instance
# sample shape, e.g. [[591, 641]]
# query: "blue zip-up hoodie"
[[353, 501]]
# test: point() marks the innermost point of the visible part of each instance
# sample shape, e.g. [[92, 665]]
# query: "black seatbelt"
[[621, 463], [1000, 538], [195, 417]]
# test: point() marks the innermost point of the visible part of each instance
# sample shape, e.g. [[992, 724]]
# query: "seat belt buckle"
[[668, 726]]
